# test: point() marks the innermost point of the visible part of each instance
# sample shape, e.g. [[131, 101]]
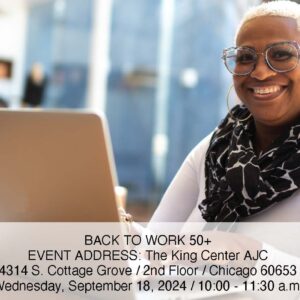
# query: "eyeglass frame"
[[264, 54]]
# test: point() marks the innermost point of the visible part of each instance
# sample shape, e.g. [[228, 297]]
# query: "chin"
[[275, 111], [272, 119]]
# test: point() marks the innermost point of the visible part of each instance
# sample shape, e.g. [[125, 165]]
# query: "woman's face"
[[272, 98]]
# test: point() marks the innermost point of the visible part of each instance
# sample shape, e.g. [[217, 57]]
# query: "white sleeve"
[[186, 189]]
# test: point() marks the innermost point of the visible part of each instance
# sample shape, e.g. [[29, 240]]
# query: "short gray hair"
[[281, 8]]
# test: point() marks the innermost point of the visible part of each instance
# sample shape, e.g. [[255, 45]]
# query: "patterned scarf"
[[238, 182]]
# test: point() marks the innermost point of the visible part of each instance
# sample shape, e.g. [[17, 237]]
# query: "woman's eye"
[[282, 55], [245, 58]]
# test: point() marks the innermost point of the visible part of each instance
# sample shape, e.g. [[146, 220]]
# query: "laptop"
[[56, 166]]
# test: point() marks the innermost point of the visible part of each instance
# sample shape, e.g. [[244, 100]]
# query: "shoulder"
[[203, 144], [197, 156]]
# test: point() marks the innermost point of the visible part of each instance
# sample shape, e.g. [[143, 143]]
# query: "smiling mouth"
[[268, 92]]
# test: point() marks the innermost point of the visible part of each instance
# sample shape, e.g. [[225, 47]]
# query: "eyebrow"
[[267, 46], [246, 46]]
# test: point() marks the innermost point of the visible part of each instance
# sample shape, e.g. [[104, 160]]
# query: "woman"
[[35, 86], [249, 167]]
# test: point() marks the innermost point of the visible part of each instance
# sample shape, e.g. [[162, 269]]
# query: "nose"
[[262, 71]]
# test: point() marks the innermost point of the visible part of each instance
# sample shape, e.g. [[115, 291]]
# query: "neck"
[[265, 135]]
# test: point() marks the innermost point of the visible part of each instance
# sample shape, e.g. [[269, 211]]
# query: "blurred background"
[[153, 66]]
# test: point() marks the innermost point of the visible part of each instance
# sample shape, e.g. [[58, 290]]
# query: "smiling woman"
[[249, 167]]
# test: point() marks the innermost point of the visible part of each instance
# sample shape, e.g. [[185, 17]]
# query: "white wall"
[[12, 46]]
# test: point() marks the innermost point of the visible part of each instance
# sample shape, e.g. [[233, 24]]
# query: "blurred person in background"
[[5, 74], [35, 86], [3, 103]]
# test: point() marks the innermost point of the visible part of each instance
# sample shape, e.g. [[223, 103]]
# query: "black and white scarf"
[[238, 182]]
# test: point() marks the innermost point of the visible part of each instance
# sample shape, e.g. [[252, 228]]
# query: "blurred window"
[[164, 80]]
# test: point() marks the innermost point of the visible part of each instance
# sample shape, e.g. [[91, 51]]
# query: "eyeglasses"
[[280, 57]]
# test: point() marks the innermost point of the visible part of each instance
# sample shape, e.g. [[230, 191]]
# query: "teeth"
[[266, 90]]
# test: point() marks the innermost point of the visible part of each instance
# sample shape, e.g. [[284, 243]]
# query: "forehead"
[[268, 29]]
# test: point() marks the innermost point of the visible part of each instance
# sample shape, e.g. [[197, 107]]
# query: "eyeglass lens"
[[281, 58]]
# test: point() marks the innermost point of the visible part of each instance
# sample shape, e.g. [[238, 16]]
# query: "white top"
[[187, 190]]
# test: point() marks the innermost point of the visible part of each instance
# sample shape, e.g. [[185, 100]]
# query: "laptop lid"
[[56, 166]]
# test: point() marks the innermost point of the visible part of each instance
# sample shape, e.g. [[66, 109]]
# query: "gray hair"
[[281, 8]]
